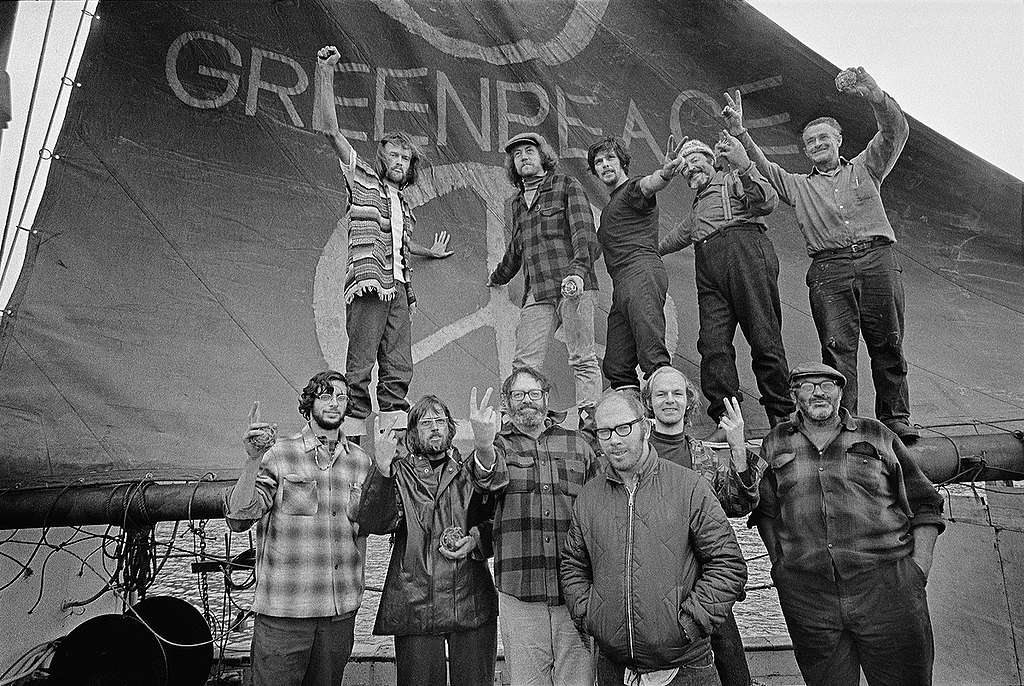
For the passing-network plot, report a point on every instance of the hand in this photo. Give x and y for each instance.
(412, 309)
(730, 148)
(328, 55)
(866, 86)
(572, 286)
(385, 444)
(483, 419)
(439, 250)
(260, 436)
(463, 547)
(672, 164)
(732, 423)
(733, 113)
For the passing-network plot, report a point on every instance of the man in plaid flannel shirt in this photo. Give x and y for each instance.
(302, 493)
(554, 243)
(674, 401)
(537, 468)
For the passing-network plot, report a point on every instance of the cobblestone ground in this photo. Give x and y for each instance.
(758, 615)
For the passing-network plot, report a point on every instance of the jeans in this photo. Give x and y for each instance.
(730, 658)
(701, 672)
(862, 293)
(636, 324)
(305, 651)
(542, 645)
(576, 317)
(379, 332)
(876, 621)
(737, 276)
(420, 660)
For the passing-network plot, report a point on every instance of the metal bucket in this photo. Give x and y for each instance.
(109, 650)
(179, 622)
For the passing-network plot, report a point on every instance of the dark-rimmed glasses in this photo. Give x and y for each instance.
(809, 386)
(532, 394)
(622, 429)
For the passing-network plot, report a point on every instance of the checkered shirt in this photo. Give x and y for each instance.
(309, 555)
(551, 239)
(538, 481)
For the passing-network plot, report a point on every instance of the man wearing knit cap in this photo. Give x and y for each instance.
(628, 234)
(855, 280)
(850, 522)
(737, 274)
(553, 242)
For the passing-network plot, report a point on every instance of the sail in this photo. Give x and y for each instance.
(188, 254)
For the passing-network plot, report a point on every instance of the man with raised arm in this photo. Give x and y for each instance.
(849, 521)
(536, 468)
(378, 278)
(302, 492)
(855, 280)
(737, 275)
(650, 565)
(554, 244)
(628, 234)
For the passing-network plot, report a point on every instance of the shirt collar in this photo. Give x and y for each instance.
(842, 163)
(310, 440)
(553, 418)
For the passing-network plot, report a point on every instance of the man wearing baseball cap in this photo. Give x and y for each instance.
(553, 242)
(737, 275)
(849, 521)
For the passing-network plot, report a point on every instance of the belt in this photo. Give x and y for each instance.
(721, 232)
(855, 248)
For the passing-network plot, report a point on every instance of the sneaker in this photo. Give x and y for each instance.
(907, 433)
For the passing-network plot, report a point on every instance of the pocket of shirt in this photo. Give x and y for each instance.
(299, 496)
(784, 467)
(572, 474)
(866, 468)
(521, 478)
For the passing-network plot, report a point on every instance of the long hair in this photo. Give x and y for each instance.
(694, 403)
(608, 144)
(322, 382)
(548, 161)
(402, 140)
(417, 412)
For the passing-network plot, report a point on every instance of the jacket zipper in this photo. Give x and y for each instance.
(629, 564)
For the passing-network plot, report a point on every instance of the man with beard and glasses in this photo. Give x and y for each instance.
(737, 275)
(379, 298)
(553, 242)
(850, 523)
(438, 592)
(671, 397)
(302, 492)
(628, 234)
(855, 281)
(536, 468)
(650, 564)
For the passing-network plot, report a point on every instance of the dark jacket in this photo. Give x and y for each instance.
(649, 576)
(424, 592)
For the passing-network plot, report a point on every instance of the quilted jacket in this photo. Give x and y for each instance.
(649, 574)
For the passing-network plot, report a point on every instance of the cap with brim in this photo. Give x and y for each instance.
(815, 369)
(521, 138)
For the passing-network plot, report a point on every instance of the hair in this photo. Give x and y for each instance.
(627, 397)
(417, 412)
(694, 403)
(321, 382)
(822, 120)
(608, 144)
(506, 386)
(403, 140)
(548, 161)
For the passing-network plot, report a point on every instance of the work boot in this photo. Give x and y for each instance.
(902, 428)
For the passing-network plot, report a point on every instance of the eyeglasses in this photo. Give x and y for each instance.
(825, 386)
(328, 397)
(621, 429)
(532, 394)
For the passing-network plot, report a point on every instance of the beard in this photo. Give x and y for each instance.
(331, 423)
(529, 415)
(698, 180)
(437, 443)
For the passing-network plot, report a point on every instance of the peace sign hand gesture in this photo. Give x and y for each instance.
(385, 445)
(733, 113)
(732, 423)
(483, 419)
(260, 436)
(673, 164)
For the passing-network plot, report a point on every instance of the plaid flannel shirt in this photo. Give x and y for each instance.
(849, 507)
(551, 239)
(738, 493)
(537, 482)
(309, 553)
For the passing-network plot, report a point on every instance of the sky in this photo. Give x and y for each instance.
(954, 65)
